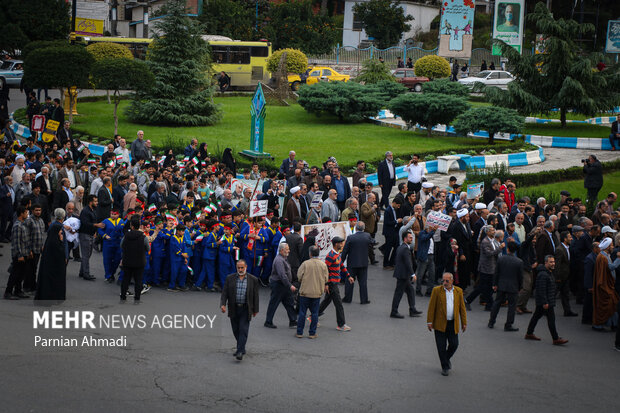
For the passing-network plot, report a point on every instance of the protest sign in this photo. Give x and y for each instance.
(474, 190)
(441, 220)
(324, 233)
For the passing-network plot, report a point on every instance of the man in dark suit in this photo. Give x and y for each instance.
(562, 272)
(289, 165)
(119, 192)
(240, 292)
(295, 243)
(104, 197)
(507, 282)
(173, 197)
(7, 201)
(403, 272)
(59, 113)
(546, 243)
(61, 197)
(461, 232)
(356, 253)
(65, 134)
(386, 175)
(391, 225)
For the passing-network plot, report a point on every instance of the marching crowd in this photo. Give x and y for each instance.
(183, 223)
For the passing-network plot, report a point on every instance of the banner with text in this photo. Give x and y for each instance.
(324, 233)
(441, 220)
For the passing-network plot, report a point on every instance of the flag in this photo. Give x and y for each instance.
(207, 208)
(119, 157)
(198, 214)
(199, 237)
(19, 153)
(111, 162)
(92, 160)
(186, 159)
(152, 208)
(81, 147)
(237, 254)
(203, 163)
(214, 207)
(182, 166)
(161, 161)
(259, 261)
(196, 170)
(171, 217)
(195, 160)
(191, 271)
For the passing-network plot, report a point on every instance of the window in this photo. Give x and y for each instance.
(399, 75)
(410, 73)
(220, 54)
(239, 55)
(504, 75)
(493, 76)
(258, 51)
(316, 73)
(357, 23)
(327, 72)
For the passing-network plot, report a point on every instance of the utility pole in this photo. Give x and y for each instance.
(73, 17)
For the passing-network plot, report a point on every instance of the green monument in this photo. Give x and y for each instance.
(257, 126)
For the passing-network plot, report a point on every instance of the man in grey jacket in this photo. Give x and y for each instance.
(282, 288)
(490, 249)
(330, 208)
(507, 282)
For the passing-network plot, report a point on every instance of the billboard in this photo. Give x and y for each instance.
(612, 45)
(456, 29)
(508, 24)
(90, 27)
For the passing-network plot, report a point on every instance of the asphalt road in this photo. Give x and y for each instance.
(381, 365)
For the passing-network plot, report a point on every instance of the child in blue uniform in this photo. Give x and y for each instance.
(226, 254)
(111, 233)
(178, 260)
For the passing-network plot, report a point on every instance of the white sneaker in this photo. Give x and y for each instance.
(145, 288)
(344, 328)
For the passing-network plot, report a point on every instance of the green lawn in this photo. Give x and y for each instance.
(286, 128)
(611, 182)
(570, 115)
(572, 130)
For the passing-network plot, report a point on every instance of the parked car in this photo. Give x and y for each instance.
(317, 74)
(497, 78)
(408, 78)
(12, 71)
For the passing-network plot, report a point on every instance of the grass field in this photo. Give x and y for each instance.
(572, 130)
(314, 139)
(611, 183)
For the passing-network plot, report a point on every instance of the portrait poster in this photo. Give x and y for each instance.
(324, 233)
(508, 24)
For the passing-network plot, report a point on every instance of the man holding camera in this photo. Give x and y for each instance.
(614, 136)
(593, 180)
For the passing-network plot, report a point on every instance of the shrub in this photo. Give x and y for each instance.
(42, 44)
(446, 87)
(432, 66)
(491, 119)
(374, 71)
(109, 50)
(296, 61)
(428, 109)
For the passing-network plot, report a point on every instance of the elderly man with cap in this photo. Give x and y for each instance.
(293, 207)
(564, 195)
(426, 193)
(336, 269)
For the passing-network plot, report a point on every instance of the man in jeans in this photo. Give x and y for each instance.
(336, 270)
(313, 276)
(88, 225)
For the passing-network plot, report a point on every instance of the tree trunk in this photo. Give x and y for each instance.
(108, 94)
(491, 138)
(429, 130)
(563, 117)
(116, 102)
(70, 106)
(62, 96)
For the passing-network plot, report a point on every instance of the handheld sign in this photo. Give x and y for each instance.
(38, 123)
(50, 131)
(474, 190)
(441, 220)
(316, 199)
(258, 208)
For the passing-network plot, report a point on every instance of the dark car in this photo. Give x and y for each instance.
(408, 78)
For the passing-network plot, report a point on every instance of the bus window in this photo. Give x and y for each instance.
(239, 55)
(220, 54)
(257, 51)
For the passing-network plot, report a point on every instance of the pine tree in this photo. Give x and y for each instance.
(179, 59)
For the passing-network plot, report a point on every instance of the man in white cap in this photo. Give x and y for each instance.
(607, 231)
(18, 170)
(604, 296)
(23, 188)
(293, 207)
(426, 192)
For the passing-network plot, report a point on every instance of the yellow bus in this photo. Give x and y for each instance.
(245, 62)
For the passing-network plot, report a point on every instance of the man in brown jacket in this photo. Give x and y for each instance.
(313, 276)
(445, 310)
(369, 216)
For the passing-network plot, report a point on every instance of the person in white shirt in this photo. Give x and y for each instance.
(124, 152)
(415, 173)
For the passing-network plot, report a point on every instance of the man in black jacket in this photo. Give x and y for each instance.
(240, 292)
(119, 192)
(614, 136)
(507, 282)
(355, 251)
(386, 175)
(593, 180)
(391, 224)
(403, 272)
(545, 302)
(88, 226)
(104, 200)
(134, 247)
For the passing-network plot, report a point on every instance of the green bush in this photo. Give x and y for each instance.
(42, 44)
(374, 71)
(432, 66)
(296, 61)
(445, 87)
(109, 50)
(491, 119)
(350, 101)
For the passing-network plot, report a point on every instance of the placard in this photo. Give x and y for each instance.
(441, 220)
(38, 123)
(324, 233)
(49, 134)
(258, 208)
(474, 190)
(456, 29)
(508, 24)
(316, 199)
(612, 45)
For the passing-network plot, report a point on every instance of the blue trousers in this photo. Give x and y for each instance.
(226, 265)
(178, 272)
(306, 303)
(157, 266)
(111, 257)
(196, 263)
(167, 266)
(207, 272)
(147, 275)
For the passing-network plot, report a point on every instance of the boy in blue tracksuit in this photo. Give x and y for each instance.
(178, 260)
(188, 239)
(272, 232)
(253, 243)
(111, 234)
(262, 252)
(196, 261)
(210, 250)
(159, 250)
(226, 257)
(151, 276)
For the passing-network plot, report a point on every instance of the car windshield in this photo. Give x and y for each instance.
(483, 74)
(6, 65)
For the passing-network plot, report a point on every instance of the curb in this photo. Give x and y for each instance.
(483, 161)
(569, 142)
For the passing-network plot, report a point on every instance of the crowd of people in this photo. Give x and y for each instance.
(182, 223)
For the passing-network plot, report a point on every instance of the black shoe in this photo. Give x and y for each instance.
(346, 301)
(22, 295)
(396, 315)
(419, 294)
(365, 302)
(570, 314)
(263, 283)
(415, 313)
(292, 324)
(491, 324)
(445, 372)
(270, 325)
(89, 278)
(375, 262)
(110, 280)
(511, 328)
(239, 355)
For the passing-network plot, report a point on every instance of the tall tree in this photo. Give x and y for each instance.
(179, 59)
(232, 18)
(563, 77)
(26, 21)
(385, 20)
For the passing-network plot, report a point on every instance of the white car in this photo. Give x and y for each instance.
(497, 78)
